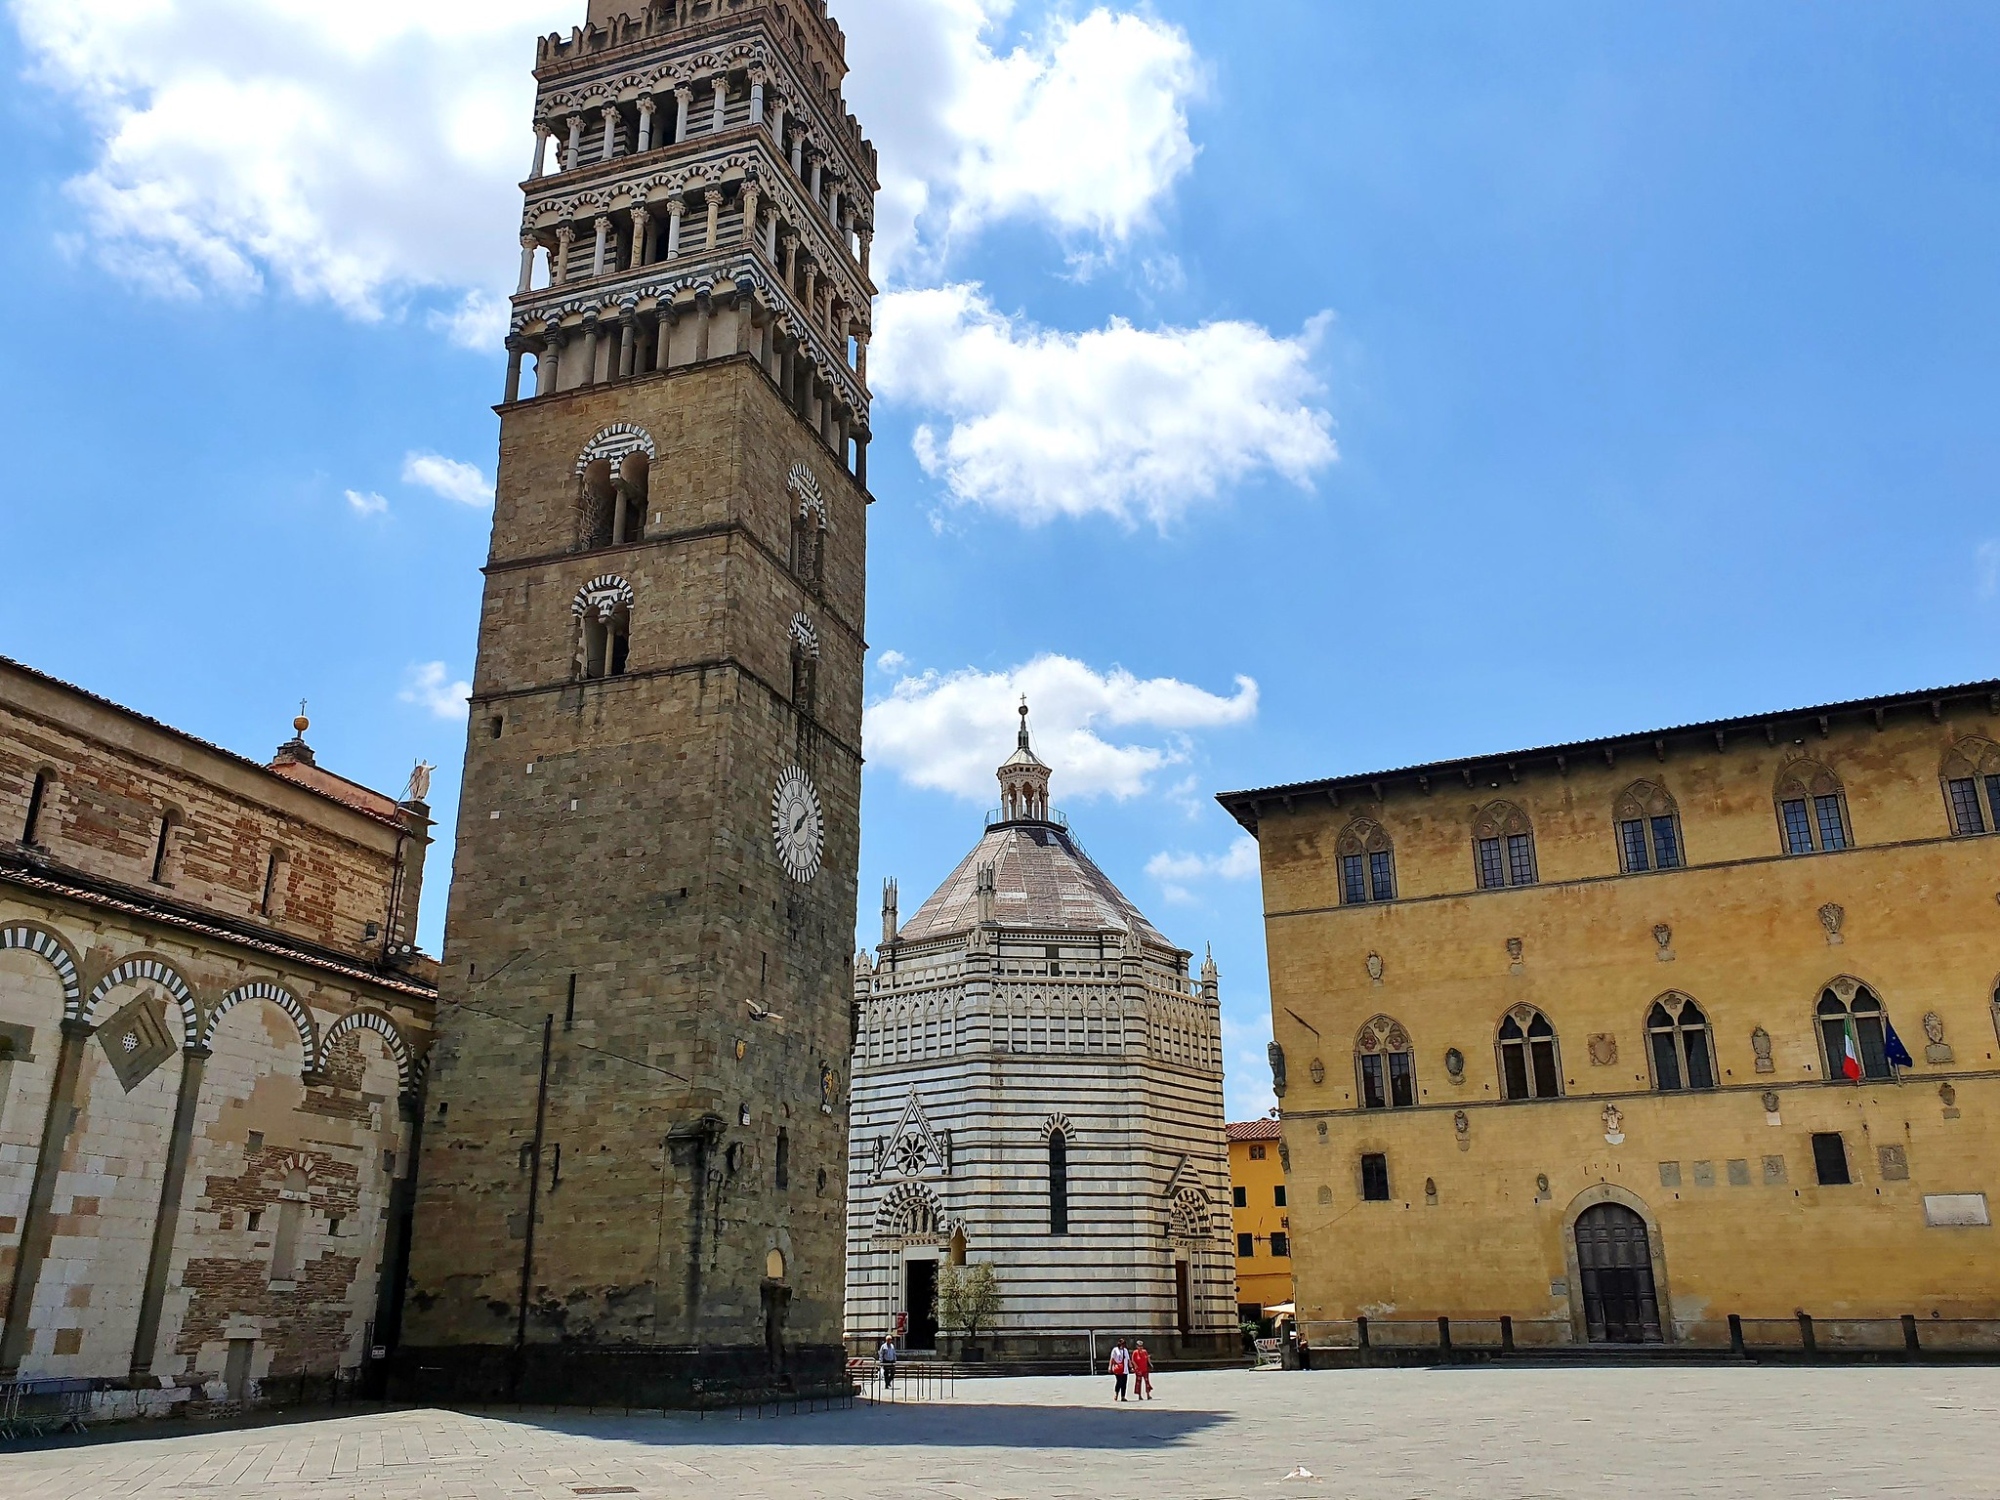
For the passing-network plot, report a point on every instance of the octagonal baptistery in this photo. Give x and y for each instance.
(1037, 1087)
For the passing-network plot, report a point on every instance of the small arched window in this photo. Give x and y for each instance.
(1812, 809)
(1856, 1036)
(1058, 1182)
(277, 872)
(1367, 864)
(1971, 777)
(809, 526)
(805, 667)
(1649, 829)
(1530, 1067)
(1385, 1066)
(1678, 1035)
(38, 798)
(1503, 846)
(166, 848)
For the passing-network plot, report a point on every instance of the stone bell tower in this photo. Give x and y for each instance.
(633, 1179)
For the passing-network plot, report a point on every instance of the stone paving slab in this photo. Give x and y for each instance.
(1493, 1433)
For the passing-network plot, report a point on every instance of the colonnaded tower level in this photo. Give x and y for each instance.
(632, 1183)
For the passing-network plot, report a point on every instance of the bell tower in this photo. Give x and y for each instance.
(633, 1180)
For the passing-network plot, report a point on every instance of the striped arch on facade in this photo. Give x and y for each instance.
(54, 952)
(147, 971)
(909, 1215)
(805, 637)
(806, 489)
(1059, 1124)
(602, 597)
(614, 445)
(263, 989)
(1193, 1221)
(382, 1026)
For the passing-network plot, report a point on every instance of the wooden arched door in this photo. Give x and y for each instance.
(1620, 1304)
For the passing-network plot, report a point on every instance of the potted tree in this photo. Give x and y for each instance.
(968, 1299)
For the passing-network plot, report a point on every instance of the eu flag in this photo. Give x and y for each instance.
(1893, 1046)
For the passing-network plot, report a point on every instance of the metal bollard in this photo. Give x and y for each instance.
(1912, 1345)
(1444, 1337)
(1506, 1335)
(1735, 1334)
(1361, 1329)
(1806, 1338)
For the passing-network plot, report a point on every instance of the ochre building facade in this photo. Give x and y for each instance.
(212, 1029)
(1564, 1036)
(633, 1186)
(1261, 1218)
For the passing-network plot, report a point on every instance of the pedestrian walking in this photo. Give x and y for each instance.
(885, 1358)
(1121, 1364)
(1142, 1372)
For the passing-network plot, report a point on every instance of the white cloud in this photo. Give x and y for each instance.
(1120, 420)
(367, 504)
(1106, 733)
(430, 686)
(461, 483)
(1988, 558)
(891, 661)
(1176, 872)
(355, 153)
(1083, 127)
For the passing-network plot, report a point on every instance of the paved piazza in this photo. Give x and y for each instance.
(1376, 1434)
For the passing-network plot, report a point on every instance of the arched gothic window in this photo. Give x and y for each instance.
(1649, 829)
(1503, 846)
(1678, 1035)
(1855, 1034)
(1812, 809)
(1530, 1066)
(1367, 864)
(1971, 776)
(809, 526)
(1385, 1066)
(1058, 1182)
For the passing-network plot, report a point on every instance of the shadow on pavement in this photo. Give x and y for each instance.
(946, 1424)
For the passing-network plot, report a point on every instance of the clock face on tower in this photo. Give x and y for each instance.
(798, 827)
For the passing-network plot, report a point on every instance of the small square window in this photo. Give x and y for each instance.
(1966, 817)
(1632, 834)
(1492, 870)
(1830, 1159)
(1520, 859)
(1281, 1244)
(1278, 1196)
(1832, 826)
(1375, 1178)
(1382, 875)
(1798, 829)
(1666, 844)
(333, 1226)
(255, 1221)
(1240, 1196)
(1246, 1246)
(1256, 1153)
(255, 1141)
(1353, 880)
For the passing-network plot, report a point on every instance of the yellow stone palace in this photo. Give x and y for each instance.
(1563, 1035)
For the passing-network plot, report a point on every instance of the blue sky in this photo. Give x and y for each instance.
(1364, 385)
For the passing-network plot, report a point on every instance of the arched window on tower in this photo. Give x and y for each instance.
(38, 801)
(1530, 1067)
(1812, 809)
(1649, 829)
(1678, 1037)
(166, 849)
(1503, 847)
(1367, 864)
(1971, 776)
(1058, 1182)
(805, 667)
(603, 610)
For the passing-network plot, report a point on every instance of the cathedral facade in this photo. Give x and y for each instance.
(634, 1180)
(1038, 1087)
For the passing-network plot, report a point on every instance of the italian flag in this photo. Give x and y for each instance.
(1850, 1059)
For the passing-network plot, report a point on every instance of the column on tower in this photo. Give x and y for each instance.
(541, 150)
(756, 100)
(528, 246)
(611, 123)
(720, 113)
(713, 198)
(675, 211)
(589, 371)
(603, 227)
(867, 244)
(778, 124)
(516, 347)
(646, 109)
(565, 238)
(642, 235)
(628, 329)
(683, 102)
(573, 153)
(750, 211)
(664, 332)
(548, 361)
(703, 311)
